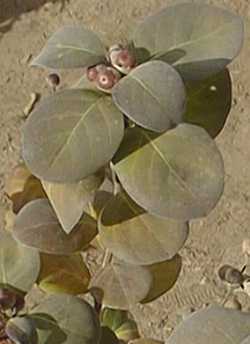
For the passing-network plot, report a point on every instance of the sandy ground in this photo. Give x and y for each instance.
(24, 27)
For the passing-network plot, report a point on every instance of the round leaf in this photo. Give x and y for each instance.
(22, 330)
(178, 174)
(66, 319)
(63, 274)
(69, 200)
(22, 187)
(137, 237)
(215, 324)
(19, 266)
(209, 102)
(199, 39)
(121, 284)
(121, 323)
(71, 135)
(37, 226)
(165, 274)
(152, 95)
(71, 47)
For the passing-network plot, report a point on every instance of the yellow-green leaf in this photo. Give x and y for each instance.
(164, 274)
(63, 274)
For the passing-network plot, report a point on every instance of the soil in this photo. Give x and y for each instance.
(25, 25)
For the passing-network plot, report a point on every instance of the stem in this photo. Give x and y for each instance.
(107, 258)
(116, 184)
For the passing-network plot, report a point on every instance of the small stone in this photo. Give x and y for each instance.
(230, 275)
(34, 97)
(53, 80)
(246, 286)
(233, 303)
(246, 247)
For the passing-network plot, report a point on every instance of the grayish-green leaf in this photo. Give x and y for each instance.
(215, 325)
(22, 330)
(178, 174)
(69, 200)
(66, 319)
(209, 102)
(199, 39)
(37, 226)
(121, 285)
(71, 135)
(152, 95)
(85, 84)
(137, 237)
(71, 47)
(19, 266)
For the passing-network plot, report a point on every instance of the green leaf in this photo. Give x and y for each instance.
(19, 265)
(178, 174)
(69, 200)
(71, 135)
(199, 39)
(22, 187)
(214, 324)
(165, 274)
(22, 330)
(209, 102)
(121, 323)
(37, 226)
(136, 237)
(63, 274)
(152, 95)
(71, 47)
(121, 285)
(66, 319)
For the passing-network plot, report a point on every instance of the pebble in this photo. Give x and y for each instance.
(246, 247)
(233, 303)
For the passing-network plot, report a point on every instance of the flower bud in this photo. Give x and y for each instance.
(7, 299)
(122, 59)
(92, 72)
(107, 78)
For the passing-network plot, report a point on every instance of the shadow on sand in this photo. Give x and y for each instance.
(11, 10)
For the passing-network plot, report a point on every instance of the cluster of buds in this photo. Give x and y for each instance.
(11, 299)
(119, 61)
(121, 58)
(105, 77)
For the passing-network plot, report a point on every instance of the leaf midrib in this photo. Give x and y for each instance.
(147, 89)
(74, 47)
(65, 144)
(171, 169)
(190, 42)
